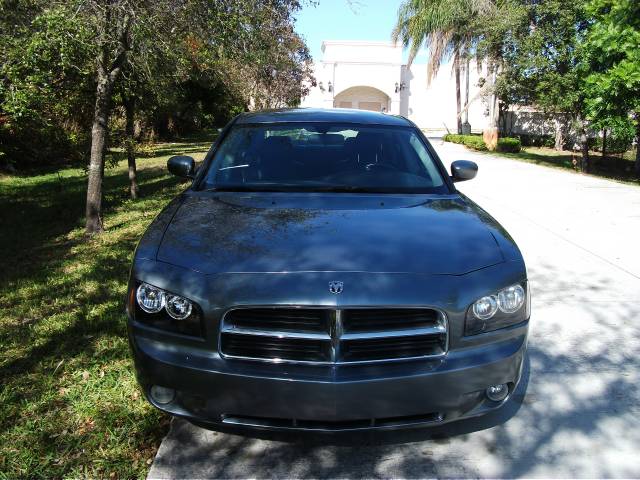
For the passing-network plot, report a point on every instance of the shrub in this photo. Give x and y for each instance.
(533, 140)
(474, 142)
(453, 138)
(614, 144)
(471, 141)
(507, 144)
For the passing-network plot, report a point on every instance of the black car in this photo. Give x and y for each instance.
(322, 272)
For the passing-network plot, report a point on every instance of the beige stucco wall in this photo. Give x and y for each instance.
(433, 106)
(347, 67)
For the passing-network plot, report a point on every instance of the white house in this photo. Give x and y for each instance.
(372, 76)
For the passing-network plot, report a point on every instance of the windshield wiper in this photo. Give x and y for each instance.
(299, 187)
(233, 188)
(349, 189)
(259, 187)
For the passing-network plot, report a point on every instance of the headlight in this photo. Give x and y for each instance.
(511, 299)
(178, 307)
(485, 308)
(504, 308)
(150, 298)
(166, 311)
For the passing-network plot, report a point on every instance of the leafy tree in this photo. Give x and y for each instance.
(542, 59)
(496, 27)
(442, 27)
(152, 66)
(113, 22)
(45, 83)
(456, 29)
(268, 64)
(180, 80)
(612, 60)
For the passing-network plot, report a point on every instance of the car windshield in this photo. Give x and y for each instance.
(323, 157)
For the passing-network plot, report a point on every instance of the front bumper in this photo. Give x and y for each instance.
(216, 392)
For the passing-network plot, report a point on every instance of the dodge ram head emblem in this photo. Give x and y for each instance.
(336, 287)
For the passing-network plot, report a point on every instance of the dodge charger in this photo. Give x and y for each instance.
(322, 272)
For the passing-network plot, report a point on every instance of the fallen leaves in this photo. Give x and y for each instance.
(86, 426)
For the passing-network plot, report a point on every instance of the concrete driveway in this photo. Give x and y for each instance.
(577, 411)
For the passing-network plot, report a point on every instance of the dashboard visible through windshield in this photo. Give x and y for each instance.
(323, 157)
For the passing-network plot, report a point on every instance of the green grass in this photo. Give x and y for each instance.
(69, 403)
(619, 168)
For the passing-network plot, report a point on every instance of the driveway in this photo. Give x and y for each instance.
(577, 411)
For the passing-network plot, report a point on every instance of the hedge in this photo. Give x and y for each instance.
(453, 138)
(476, 142)
(511, 145)
(471, 141)
(614, 145)
(533, 140)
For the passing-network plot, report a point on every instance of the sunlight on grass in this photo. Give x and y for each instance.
(619, 168)
(69, 403)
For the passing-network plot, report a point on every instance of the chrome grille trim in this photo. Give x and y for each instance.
(278, 333)
(437, 330)
(335, 336)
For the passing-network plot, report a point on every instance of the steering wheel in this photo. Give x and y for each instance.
(383, 166)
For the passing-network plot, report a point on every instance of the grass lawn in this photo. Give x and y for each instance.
(612, 167)
(69, 403)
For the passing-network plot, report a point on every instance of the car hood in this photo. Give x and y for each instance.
(292, 232)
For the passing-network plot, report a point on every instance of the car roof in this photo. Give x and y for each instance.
(335, 115)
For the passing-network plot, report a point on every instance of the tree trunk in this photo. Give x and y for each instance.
(466, 93)
(604, 143)
(491, 133)
(96, 163)
(129, 108)
(637, 144)
(456, 66)
(107, 71)
(584, 147)
(559, 139)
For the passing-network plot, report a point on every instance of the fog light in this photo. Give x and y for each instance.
(497, 393)
(162, 395)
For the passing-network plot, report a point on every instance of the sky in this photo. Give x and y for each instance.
(344, 20)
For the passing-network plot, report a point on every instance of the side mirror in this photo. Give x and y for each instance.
(462, 170)
(182, 166)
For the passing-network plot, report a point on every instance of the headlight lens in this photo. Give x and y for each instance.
(511, 299)
(500, 310)
(178, 307)
(166, 311)
(150, 298)
(485, 308)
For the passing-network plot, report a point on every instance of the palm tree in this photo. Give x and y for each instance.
(447, 29)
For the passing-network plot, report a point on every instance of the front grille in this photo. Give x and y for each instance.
(391, 348)
(333, 336)
(291, 319)
(273, 348)
(362, 320)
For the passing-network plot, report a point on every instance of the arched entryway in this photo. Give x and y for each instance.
(363, 98)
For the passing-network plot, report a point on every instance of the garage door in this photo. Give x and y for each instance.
(374, 106)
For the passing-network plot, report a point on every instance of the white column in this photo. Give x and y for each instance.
(395, 105)
(329, 76)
